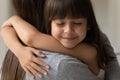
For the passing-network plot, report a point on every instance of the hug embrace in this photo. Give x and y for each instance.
(56, 40)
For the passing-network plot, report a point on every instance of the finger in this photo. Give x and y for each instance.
(39, 62)
(33, 71)
(38, 68)
(28, 72)
(38, 53)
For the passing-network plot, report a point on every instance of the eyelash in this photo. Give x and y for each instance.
(60, 24)
(77, 23)
(74, 23)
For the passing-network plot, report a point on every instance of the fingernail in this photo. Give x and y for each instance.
(47, 67)
(40, 76)
(45, 73)
(42, 55)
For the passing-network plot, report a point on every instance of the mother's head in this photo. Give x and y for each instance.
(31, 11)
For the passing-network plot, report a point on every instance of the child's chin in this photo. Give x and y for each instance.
(69, 46)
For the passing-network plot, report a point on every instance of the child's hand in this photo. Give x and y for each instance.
(30, 63)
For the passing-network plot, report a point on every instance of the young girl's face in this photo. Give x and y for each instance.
(69, 32)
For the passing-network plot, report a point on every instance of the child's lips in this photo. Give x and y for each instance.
(69, 38)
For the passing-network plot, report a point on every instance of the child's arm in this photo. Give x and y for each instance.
(32, 37)
(26, 55)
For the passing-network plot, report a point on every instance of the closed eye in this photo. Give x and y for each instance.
(77, 23)
(60, 24)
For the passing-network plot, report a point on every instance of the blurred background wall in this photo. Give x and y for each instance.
(107, 14)
(5, 12)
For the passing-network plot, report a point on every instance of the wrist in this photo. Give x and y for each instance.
(17, 49)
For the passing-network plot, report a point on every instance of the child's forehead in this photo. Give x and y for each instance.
(74, 15)
(70, 17)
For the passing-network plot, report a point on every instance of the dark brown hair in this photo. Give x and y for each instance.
(11, 69)
(75, 9)
(32, 12)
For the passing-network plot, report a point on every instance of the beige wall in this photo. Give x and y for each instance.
(107, 13)
(4, 14)
(5, 10)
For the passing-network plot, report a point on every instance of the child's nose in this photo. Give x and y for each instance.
(68, 29)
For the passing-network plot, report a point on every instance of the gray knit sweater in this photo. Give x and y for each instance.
(64, 67)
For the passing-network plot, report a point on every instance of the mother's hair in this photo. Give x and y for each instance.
(32, 12)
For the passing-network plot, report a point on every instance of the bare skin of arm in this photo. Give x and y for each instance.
(24, 54)
(32, 37)
(27, 32)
